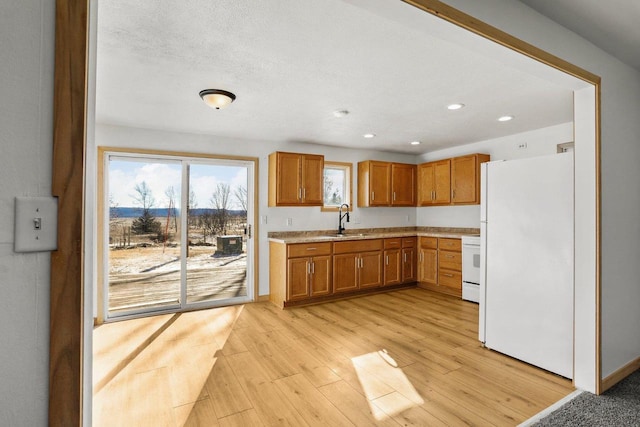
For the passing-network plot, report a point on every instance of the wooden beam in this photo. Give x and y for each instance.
(66, 316)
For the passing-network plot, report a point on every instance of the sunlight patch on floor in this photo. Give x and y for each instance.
(379, 366)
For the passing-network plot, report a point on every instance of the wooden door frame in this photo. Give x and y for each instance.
(69, 144)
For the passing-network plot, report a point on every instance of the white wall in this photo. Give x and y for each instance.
(304, 218)
(539, 143)
(26, 118)
(620, 103)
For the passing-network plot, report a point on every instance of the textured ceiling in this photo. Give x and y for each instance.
(291, 63)
(611, 25)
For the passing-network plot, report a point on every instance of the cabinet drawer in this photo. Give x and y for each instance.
(429, 242)
(409, 242)
(450, 260)
(450, 244)
(357, 246)
(308, 249)
(394, 243)
(450, 278)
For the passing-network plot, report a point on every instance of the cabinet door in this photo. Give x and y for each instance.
(312, 178)
(426, 184)
(379, 183)
(392, 271)
(428, 266)
(409, 272)
(370, 269)
(345, 272)
(288, 179)
(403, 184)
(463, 180)
(297, 278)
(321, 276)
(442, 182)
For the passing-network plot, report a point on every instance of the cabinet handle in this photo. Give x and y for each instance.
(373, 196)
(448, 275)
(299, 193)
(453, 194)
(448, 256)
(387, 260)
(304, 193)
(311, 249)
(313, 267)
(405, 257)
(433, 195)
(394, 196)
(308, 267)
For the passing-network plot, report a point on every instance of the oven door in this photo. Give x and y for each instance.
(471, 263)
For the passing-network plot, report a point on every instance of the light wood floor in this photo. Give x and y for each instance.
(406, 358)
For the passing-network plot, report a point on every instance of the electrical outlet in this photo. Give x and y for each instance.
(263, 219)
(289, 222)
(408, 219)
(522, 146)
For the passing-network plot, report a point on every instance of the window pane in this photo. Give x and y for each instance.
(144, 234)
(217, 217)
(334, 187)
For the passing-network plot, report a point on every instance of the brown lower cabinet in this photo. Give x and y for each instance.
(357, 264)
(302, 273)
(440, 264)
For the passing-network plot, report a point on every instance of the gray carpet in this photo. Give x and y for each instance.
(618, 406)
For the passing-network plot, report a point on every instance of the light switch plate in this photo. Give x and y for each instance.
(36, 224)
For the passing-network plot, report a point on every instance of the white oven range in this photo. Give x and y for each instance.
(471, 268)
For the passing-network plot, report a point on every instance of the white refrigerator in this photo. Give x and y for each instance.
(526, 260)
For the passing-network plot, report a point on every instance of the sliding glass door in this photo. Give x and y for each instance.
(177, 234)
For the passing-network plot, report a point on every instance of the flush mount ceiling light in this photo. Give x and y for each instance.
(340, 113)
(505, 118)
(415, 143)
(369, 135)
(217, 98)
(456, 106)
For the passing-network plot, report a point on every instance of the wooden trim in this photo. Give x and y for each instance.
(66, 292)
(262, 298)
(619, 375)
(70, 92)
(151, 152)
(468, 22)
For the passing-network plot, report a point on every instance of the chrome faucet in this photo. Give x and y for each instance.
(341, 217)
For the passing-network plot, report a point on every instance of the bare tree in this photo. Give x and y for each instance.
(240, 194)
(220, 202)
(170, 192)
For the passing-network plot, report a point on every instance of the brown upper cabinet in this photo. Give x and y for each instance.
(386, 184)
(451, 181)
(465, 179)
(295, 179)
(434, 183)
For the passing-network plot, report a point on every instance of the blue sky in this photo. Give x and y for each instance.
(160, 175)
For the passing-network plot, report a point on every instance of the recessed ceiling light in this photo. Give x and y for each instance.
(455, 106)
(415, 143)
(369, 135)
(340, 113)
(505, 118)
